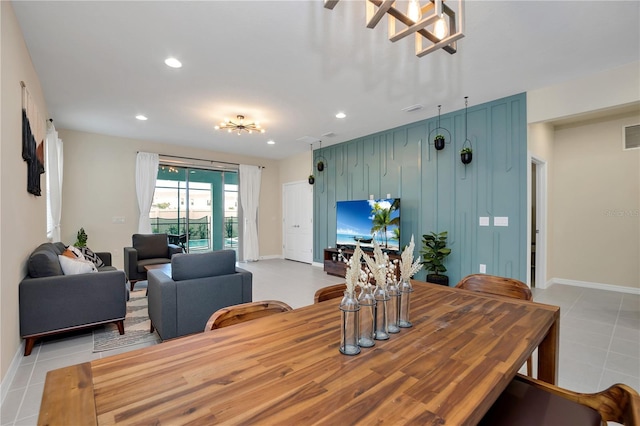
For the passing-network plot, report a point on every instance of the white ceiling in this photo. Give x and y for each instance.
(292, 65)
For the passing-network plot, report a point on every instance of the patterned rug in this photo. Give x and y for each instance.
(136, 326)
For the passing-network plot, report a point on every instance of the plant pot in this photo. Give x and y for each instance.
(320, 166)
(312, 180)
(466, 157)
(438, 279)
(438, 142)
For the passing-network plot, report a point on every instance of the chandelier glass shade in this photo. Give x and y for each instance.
(239, 126)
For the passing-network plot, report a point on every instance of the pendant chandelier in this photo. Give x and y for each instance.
(239, 126)
(435, 25)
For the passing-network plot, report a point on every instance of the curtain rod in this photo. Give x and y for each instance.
(201, 159)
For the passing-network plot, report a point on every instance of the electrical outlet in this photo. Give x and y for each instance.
(483, 268)
(117, 219)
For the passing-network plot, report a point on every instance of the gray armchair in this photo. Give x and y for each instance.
(148, 249)
(200, 284)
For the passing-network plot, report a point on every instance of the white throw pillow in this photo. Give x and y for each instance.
(76, 266)
(77, 252)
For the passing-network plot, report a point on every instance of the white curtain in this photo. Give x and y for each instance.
(146, 174)
(250, 178)
(53, 169)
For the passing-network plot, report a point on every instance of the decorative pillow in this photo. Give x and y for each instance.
(73, 253)
(89, 255)
(76, 266)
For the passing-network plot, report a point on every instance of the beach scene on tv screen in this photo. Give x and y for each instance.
(366, 220)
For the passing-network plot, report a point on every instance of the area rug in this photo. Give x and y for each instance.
(136, 326)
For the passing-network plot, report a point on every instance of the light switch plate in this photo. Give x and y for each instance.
(501, 221)
(483, 268)
(484, 221)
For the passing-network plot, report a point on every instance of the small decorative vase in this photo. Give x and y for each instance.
(393, 307)
(382, 297)
(367, 319)
(350, 319)
(405, 303)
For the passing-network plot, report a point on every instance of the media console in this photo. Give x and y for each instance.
(335, 265)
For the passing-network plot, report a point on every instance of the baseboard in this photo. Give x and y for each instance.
(271, 256)
(598, 286)
(11, 373)
(317, 264)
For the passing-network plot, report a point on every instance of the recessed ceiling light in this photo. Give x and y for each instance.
(341, 115)
(173, 63)
(271, 142)
(141, 117)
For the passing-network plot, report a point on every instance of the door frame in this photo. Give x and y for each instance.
(541, 219)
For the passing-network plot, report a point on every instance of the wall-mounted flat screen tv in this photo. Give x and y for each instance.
(366, 220)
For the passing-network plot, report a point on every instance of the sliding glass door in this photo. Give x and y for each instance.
(197, 208)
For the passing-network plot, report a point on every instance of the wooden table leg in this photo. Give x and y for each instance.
(548, 353)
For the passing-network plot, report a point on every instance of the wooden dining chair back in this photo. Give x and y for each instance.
(498, 286)
(528, 401)
(330, 292)
(236, 314)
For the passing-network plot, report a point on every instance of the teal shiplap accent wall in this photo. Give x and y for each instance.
(439, 193)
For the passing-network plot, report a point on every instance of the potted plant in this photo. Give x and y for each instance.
(434, 251)
(320, 165)
(466, 155)
(81, 238)
(438, 142)
(312, 179)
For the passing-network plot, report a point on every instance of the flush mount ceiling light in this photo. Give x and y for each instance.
(239, 126)
(432, 22)
(341, 115)
(173, 63)
(141, 117)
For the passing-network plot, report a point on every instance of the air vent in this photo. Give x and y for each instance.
(308, 139)
(412, 108)
(328, 134)
(632, 137)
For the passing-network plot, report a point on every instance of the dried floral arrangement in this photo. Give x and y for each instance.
(409, 267)
(379, 265)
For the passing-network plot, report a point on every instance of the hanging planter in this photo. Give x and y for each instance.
(320, 160)
(466, 155)
(312, 179)
(441, 134)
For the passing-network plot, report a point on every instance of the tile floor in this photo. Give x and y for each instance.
(599, 336)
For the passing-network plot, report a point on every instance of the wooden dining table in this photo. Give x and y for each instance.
(449, 368)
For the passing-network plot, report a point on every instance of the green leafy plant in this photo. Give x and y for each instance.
(434, 252)
(466, 150)
(81, 238)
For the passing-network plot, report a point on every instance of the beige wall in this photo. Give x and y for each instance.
(23, 217)
(596, 203)
(296, 168)
(99, 183)
(540, 146)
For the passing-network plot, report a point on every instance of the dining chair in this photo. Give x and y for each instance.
(330, 292)
(528, 401)
(236, 314)
(499, 286)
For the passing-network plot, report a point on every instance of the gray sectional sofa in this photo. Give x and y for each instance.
(200, 284)
(51, 302)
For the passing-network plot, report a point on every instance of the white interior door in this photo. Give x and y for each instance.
(297, 221)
